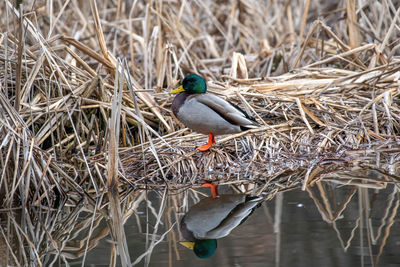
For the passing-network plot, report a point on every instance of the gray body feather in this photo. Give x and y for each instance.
(215, 218)
(207, 113)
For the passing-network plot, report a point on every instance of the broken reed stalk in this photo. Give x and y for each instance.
(117, 231)
(354, 39)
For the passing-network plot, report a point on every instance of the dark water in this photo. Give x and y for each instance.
(286, 231)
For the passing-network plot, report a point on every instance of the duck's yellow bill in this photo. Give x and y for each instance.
(189, 245)
(177, 90)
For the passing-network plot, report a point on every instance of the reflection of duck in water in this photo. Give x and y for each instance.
(213, 218)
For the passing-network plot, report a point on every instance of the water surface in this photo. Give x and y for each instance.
(286, 231)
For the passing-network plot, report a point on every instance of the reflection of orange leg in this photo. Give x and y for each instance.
(213, 188)
(211, 141)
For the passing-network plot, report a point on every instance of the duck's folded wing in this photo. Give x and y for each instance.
(206, 215)
(236, 217)
(226, 110)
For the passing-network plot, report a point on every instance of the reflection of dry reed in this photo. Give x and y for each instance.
(326, 93)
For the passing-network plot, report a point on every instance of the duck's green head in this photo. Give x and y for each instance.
(202, 248)
(192, 84)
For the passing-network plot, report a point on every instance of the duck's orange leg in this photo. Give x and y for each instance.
(213, 188)
(211, 142)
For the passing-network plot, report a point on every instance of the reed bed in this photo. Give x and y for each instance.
(85, 108)
(310, 119)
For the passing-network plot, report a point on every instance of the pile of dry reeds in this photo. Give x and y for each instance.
(310, 117)
(85, 83)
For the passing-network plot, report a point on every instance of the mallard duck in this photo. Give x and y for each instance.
(207, 113)
(214, 218)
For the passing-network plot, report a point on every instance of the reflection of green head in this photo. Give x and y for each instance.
(205, 248)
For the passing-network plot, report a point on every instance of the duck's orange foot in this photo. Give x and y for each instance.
(204, 147)
(211, 142)
(213, 188)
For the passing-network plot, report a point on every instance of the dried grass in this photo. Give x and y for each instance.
(322, 79)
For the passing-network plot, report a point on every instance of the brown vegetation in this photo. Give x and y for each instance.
(85, 108)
